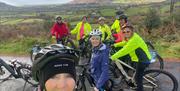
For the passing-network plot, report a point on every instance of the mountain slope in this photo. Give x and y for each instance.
(4, 5)
(114, 1)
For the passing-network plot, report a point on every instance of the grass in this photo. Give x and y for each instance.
(19, 46)
(168, 50)
(13, 21)
(31, 20)
(136, 10)
(108, 12)
(23, 46)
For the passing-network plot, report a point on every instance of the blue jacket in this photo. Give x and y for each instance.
(99, 65)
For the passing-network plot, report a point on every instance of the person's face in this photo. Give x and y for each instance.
(84, 19)
(122, 22)
(60, 82)
(95, 40)
(127, 33)
(101, 22)
(59, 20)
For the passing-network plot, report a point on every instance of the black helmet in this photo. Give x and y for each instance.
(123, 16)
(119, 12)
(41, 65)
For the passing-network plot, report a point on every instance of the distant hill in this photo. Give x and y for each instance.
(4, 6)
(114, 1)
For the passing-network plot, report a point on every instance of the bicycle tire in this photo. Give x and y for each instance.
(80, 85)
(160, 77)
(160, 63)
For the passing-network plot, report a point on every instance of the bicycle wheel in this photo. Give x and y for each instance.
(159, 64)
(165, 81)
(80, 85)
(4, 73)
(26, 75)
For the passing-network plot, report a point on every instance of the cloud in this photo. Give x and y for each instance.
(34, 2)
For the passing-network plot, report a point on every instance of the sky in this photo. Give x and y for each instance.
(33, 2)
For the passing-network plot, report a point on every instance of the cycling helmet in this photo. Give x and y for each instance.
(95, 32)
(101, 18)
(58, 18)
(41, 51)
(119, 12)
(123, 16)
(43, 67)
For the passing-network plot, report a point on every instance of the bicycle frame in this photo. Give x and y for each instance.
(9, 68)
(120, 64)
(84, 75)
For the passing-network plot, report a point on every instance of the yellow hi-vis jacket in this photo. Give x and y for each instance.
(105, 30)
(76, 30)
(135, 47)
(116, 26)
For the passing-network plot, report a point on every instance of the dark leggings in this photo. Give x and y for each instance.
(140, 68)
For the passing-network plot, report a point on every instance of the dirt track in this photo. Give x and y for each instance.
(17, 84)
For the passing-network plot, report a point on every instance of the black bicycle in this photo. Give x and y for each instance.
(17, 70)
(82, 76)
(85, 47)
(85, 74)
(67, 41)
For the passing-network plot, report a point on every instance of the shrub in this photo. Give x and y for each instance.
(152, 20)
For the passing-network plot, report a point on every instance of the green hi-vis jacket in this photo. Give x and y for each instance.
(116, 26)
(76, 30)
(135, 47)
(105, 30)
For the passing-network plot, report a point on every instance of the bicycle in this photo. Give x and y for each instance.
(80, 84)
(150, 83)
(156, 61)
(85, 47)
(82, 76)
(156, 58)
(67, 41)
(17, 70)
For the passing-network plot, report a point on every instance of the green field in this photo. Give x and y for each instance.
(23, 46)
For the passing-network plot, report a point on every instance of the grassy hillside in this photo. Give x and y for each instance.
(136, 1)
(35, 29)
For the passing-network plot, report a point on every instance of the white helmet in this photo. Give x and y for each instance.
(95, 32)
(101, 18)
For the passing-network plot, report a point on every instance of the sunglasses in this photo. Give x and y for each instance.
(95, 38)
(126, 31)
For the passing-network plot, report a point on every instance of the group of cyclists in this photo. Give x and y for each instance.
(56, 71)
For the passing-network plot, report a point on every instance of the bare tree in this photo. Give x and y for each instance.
(172, 6)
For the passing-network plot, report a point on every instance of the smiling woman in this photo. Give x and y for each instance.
(34, 2)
